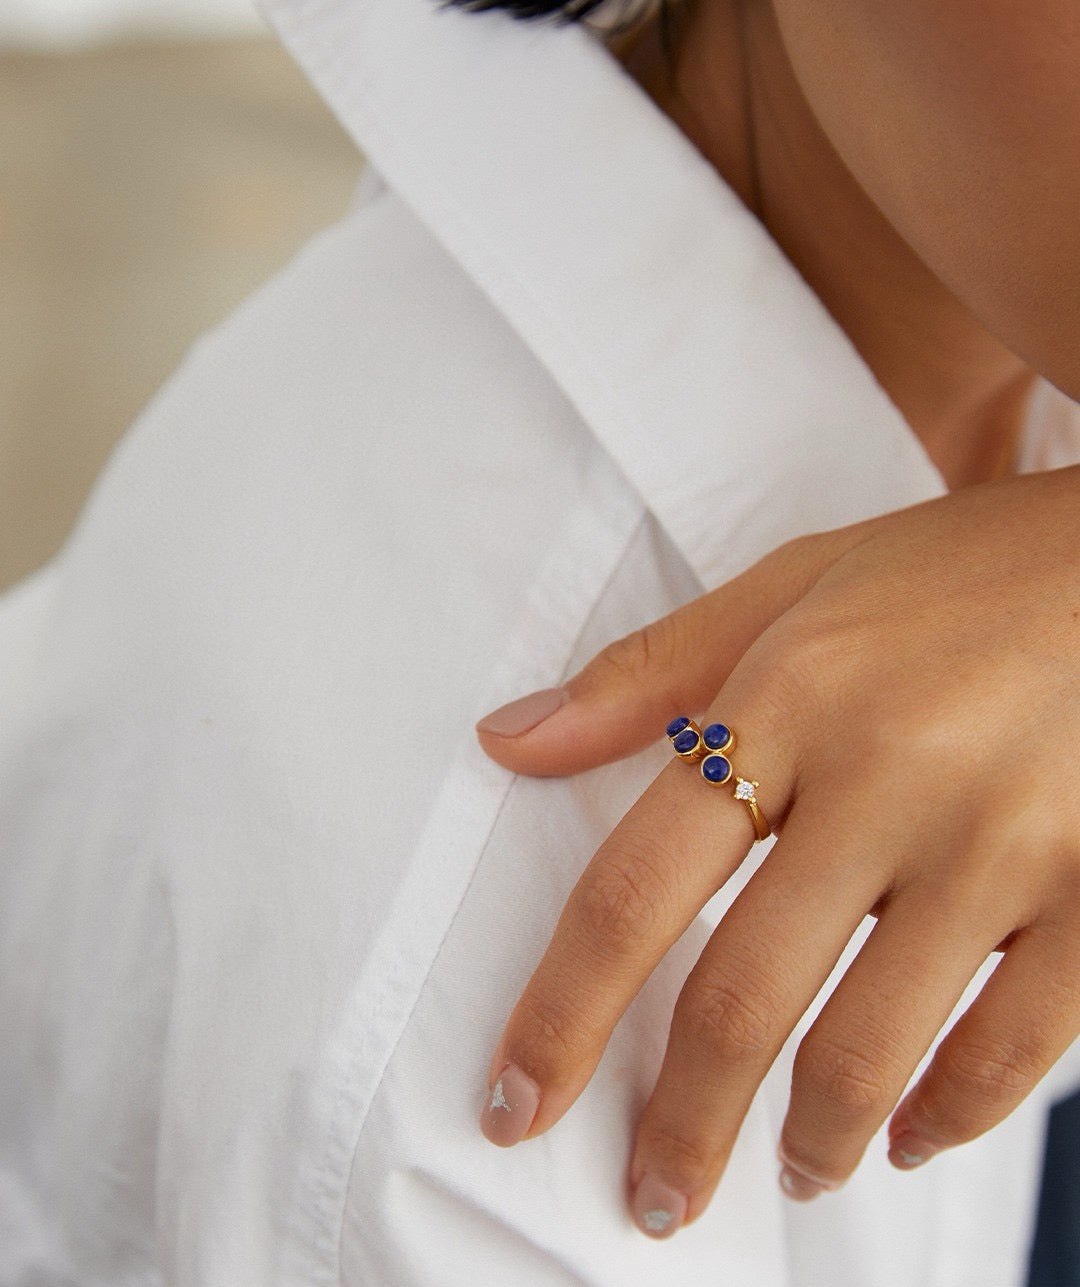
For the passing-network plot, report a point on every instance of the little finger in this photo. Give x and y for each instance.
(862, 1050)
(1026, 1016)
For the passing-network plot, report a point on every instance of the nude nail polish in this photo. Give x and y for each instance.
(799, 1187)
(511, 1107)
(908, 1151)
(523, 715)
(658, 1210)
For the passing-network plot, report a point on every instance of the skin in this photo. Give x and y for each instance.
(868, 182)
(914, 676)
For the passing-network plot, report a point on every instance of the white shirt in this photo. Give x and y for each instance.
(264, 905)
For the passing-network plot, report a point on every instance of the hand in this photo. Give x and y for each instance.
(907, 692)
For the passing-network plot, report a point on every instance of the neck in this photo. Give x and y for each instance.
(731, 90)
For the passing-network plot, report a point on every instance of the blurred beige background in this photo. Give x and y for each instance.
(146, 187)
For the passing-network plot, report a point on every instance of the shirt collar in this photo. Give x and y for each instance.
(695, 352)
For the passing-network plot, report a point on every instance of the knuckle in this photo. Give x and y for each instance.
(625, 658)
(620, 903)
(821, 645)
(653, 650)
(547, 1037)
(689, 1163)
(633, 654)
(731, 1016)
(796, 563)
(810, 659)
(985, 1075)
(844, 1080)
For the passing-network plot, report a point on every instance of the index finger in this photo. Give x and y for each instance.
(648, 881)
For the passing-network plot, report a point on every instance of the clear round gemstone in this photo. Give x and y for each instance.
(744, 791)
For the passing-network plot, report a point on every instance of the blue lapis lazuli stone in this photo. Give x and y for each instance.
(677, 725)
(716, 737)
(685, 741)
(714, 768)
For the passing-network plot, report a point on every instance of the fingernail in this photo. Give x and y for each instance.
(511, 1107)
(909, 1151)
(658, 1210)
(799, 1187)
(521, 716)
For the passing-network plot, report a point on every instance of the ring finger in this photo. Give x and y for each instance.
(762, 968)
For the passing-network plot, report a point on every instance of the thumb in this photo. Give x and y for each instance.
(627, 694)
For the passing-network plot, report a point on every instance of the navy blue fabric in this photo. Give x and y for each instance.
(1055, 1256)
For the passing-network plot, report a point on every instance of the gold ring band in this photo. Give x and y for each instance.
(744, 791)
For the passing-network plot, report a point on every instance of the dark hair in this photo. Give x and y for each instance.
(567, 10)
(627, 11)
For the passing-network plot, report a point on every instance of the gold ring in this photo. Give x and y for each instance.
(711, 749)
